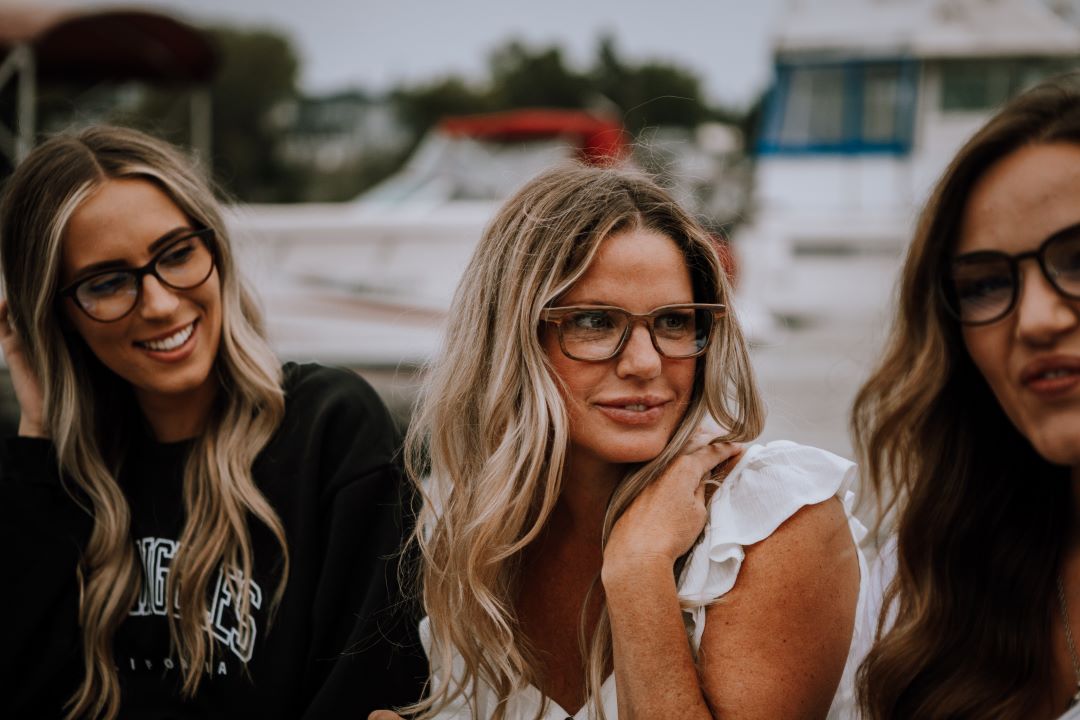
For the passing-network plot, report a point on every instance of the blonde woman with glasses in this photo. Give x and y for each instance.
(577, 560)
(201, 532)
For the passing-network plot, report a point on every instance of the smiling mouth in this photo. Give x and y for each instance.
(172, 342)
(1053, 374)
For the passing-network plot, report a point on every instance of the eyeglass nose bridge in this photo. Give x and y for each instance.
(140, 275)
(633, 319)
(1039, 256)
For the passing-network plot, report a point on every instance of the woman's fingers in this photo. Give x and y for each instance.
(703, 491)
(720, 470)
(714, 454)
(384, 715)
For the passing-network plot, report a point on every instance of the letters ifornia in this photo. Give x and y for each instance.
(234, 632)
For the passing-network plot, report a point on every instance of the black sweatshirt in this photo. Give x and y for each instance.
(343, 641)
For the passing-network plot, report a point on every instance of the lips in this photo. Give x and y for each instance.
(1052, 375)
(633, 410)
(169, 341)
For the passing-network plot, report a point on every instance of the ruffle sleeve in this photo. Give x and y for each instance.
(769, 484)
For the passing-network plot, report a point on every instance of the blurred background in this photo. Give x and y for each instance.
(362, 145)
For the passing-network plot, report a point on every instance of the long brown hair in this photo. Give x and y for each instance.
(981, 518)
(90, 412)
(493, 424)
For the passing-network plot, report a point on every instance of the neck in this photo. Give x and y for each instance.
(587, 485)
(177, 417)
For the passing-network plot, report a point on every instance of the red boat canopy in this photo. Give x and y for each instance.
(42, 45)
(601, 140)
(108, 45)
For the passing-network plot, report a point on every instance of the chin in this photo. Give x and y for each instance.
(174, 381)
(1056, 439)
(1059, 448)
(634, 452)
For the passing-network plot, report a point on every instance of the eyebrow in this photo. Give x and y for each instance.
(1073, 229)
(587, 301)
(1070, 230)
(154, 247)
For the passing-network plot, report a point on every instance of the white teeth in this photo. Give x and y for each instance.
(635, 408)
(172, 342)
(1052, 374)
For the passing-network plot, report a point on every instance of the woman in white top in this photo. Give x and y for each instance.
(573, 561)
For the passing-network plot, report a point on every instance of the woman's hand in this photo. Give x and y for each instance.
(384, 715)
(663, 521)
(27, 388)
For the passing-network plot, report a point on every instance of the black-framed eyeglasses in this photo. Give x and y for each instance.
(107, 296)
(982, 287)
(599, 332)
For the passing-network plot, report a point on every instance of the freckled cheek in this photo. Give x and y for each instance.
(681, 376)
(577, 388)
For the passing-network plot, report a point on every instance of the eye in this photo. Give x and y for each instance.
(974, 287)
(675, 321)
(983, 277)
(590, 321)
(178, 254)
(1063, 257)
(102, 286)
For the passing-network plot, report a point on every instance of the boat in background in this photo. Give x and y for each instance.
(871, 99)
(367, 283)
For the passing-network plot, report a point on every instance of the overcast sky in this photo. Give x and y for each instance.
(373, 44)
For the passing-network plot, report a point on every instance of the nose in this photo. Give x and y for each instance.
(638, 357)
(157, 301)
(1043, 314)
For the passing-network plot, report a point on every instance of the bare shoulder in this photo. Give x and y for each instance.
(810, 558)
(776, 644)
(816, 533)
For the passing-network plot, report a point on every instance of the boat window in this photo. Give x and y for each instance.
(976, 86)
(815, 106)
(980, 85)
(861, 106)
(880, 102)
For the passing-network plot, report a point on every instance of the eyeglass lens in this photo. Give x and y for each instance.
(596, 334)
(986, 284)
(182, 265)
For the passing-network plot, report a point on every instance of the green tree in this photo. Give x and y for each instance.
(647, 94)
(257, 73)
(526, 77)
(651, 93)
(421, 106)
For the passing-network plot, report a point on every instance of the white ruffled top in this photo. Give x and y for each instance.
(769, 484)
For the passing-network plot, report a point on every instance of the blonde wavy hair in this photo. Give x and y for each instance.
(491, 428)
(90, 432)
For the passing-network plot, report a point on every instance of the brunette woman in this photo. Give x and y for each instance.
(971, 425)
